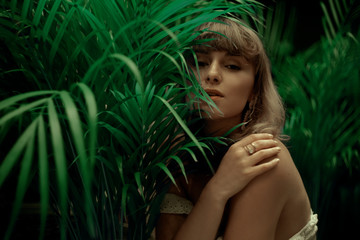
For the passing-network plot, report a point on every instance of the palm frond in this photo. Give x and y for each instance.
(339, 15)
(321, 89)
(103, 94)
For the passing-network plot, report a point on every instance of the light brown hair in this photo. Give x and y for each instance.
(268, 113)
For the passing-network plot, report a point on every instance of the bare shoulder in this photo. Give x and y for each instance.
(259, 206)
(287, 172)
(284, 179)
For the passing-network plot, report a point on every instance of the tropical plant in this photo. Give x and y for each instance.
(92, 97)
(321, 88)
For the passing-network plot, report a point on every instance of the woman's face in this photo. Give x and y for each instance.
(229, 81)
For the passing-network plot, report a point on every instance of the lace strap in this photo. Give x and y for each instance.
(175, 204)
(309, 231)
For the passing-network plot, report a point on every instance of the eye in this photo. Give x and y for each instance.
(233, 67)
(202, 64)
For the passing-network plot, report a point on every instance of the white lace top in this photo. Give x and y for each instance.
(175, 204)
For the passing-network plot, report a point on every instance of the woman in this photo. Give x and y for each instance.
(256, 191)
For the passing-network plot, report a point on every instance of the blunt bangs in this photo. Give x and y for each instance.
(226, 35)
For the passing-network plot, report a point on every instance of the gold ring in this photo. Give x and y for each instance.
(252, 144)
(250, 148)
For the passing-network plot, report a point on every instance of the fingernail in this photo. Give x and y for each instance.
(276, 160)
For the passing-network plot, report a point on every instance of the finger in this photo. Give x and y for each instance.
(264, 154)
(259, 145)
(264, 167)
(263, 144)
(254, 137)
(257, 136)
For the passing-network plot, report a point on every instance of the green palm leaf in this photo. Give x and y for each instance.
(103, 97)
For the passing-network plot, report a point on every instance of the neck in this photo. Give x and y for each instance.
(218, 127)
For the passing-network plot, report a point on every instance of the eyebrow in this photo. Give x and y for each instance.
(202, 51)
(228, 54)
(233, 54)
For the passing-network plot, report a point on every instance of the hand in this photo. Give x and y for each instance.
(240, 165)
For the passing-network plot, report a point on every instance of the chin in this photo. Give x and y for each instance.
(212, 116)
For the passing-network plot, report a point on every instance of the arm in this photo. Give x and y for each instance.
(203, 220)
(255, 211)
(236, 170)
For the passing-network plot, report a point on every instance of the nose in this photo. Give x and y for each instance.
(213, 73)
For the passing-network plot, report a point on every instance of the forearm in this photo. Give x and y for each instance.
(204, 220)
(237, 169)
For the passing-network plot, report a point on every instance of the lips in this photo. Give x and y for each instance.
(214, 93)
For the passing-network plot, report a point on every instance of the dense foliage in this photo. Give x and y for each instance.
(321, 89)
(91, 97)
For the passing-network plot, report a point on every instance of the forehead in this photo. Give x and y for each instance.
(217, 52)
(219, 45)
(235, 38)
(221, 54)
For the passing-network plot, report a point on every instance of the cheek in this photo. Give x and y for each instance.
(195, 73)
(235, 106)
(200, 76)
(241, 92)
